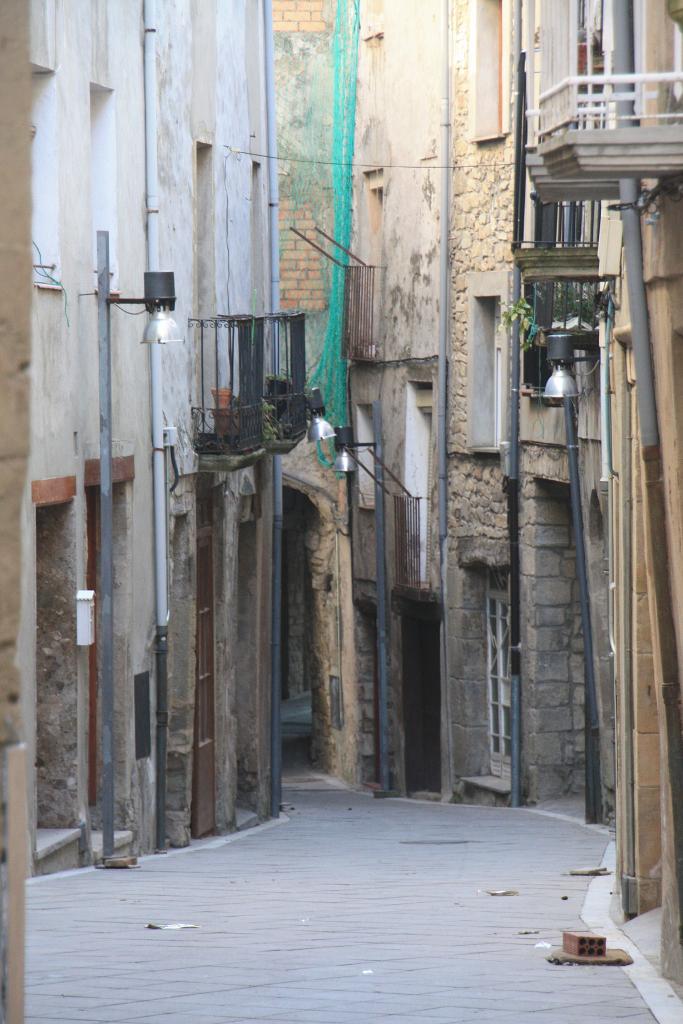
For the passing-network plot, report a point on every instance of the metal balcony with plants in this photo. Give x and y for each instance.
(244, 411)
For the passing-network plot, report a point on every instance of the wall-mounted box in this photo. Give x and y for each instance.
(85, 618)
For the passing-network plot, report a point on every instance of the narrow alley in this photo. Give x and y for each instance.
(352, 910)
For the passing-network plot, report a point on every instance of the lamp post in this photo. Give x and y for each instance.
(346, 461)
(561, 390)
(159, 299)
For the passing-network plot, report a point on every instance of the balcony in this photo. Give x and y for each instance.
(410, 546)
(358, 341)
(565, 243)
(602, 128)
(244, 412)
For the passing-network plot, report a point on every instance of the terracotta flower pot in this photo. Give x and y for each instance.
(223, 414)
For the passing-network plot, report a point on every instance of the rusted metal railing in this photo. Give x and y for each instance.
(358, 340)
(408, 542)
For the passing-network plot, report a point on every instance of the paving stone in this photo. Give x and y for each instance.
(293, 919)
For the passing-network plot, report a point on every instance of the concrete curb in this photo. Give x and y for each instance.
(656, 992)
(199, 844)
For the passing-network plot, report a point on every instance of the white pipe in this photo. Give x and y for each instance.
(276, 592)
(442, 389)
(152, 199)
(158, 452)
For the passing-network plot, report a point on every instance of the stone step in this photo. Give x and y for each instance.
(57, 849)
(123, 843)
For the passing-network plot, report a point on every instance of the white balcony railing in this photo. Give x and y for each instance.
(590, 102)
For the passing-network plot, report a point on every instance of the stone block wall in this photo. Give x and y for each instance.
(56, 668)
(553, 666)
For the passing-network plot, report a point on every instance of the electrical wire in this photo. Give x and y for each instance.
(129, 312)
(379, 165)
(40, 269)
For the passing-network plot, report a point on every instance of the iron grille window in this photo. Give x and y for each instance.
(284, 395)
(566, 305)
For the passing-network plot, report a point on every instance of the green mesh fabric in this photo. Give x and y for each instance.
(330, 372)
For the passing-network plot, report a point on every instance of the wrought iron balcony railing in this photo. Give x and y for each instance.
(242, 410)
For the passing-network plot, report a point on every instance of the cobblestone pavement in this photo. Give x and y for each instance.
(356, 910)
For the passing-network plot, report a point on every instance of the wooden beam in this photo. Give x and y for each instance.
(55, 490)
(122, 470)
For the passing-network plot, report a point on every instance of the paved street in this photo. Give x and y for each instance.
(356, 910)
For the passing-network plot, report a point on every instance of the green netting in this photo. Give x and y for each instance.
(330, 372)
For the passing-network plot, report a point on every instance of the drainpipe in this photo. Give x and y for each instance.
(654, 500)
(593, 801)
(158, 453)
(513, 468)
(276, 599)
(442, 383)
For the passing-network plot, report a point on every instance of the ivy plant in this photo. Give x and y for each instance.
(522, 313)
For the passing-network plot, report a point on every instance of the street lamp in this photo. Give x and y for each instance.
(319, 429)
(159, 300)
(562, 383)
(561, 390)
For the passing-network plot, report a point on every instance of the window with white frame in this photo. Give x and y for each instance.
(488, 350)
(418, 457)
(365, 435)
(45, 180)
(103, 177)
(498, 672)
(489, 68)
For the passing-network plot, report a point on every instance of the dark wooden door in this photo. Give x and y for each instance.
(203, 818)
(421, 705)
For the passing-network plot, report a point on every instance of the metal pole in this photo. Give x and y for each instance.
(593, 797)
(381, 575)
(276, 595)
(513, 469)
(105, 639)
(158, 450)
(442, 381)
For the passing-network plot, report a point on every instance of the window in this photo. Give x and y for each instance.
(103, 174)
(490, 60)
(418, 457)
(488, 351)
(204, 232)
(365, 434)
(498, 672)
(374, 190)
(45, 180)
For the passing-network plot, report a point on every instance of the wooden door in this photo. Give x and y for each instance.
(203, 818)
(421, 705)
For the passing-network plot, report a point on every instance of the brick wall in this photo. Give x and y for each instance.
(302, 282)
(298, 16)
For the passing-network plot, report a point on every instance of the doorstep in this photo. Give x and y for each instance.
(122, 843)
(57, 849)
(489, 790)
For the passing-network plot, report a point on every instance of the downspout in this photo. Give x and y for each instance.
(158, 453)
(593, 797)
(513, 468)
(442, 386)
(276, 594)
(654, 500)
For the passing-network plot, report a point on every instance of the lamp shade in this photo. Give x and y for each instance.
(561, 384)
(343, 462)
(161, 328)
(319, 429)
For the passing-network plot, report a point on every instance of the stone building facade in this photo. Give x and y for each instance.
(88, 174)
(15, 349)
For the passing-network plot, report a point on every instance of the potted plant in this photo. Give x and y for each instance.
(225, 416)
(277, 388)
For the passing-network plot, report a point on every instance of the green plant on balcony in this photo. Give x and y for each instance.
(520, 312)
